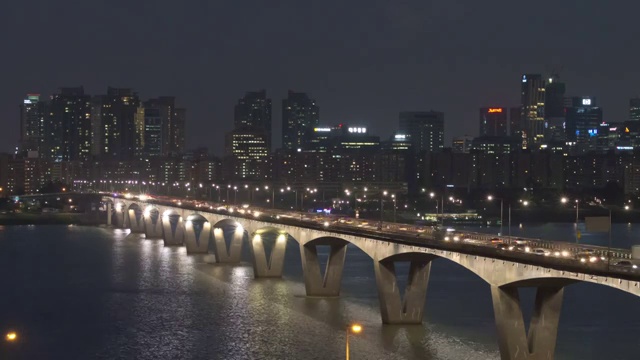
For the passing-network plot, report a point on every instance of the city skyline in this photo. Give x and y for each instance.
(356, 75)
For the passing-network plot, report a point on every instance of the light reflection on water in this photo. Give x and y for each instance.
(119, 295)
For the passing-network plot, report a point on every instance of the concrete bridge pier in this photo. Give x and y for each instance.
(109, 213)
(134, 220)
(267, 266)
(407, 308)
(196, 236)
(514, 341)
(232, 253)
(317, 284)
(172, 230)
(152, 224)
(119, 218)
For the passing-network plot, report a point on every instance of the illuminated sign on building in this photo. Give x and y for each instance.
(400, 137)
(357, 130)
(624, 147)
(524, 78)
(586, 101)
(495, 110)
(322, 129)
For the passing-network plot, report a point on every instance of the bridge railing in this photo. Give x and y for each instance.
(425, 232)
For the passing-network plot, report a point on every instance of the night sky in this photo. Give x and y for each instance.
(363, 61)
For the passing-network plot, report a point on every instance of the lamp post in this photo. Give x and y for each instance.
(433, 195)
(393, 196)
(273, 195)
(353, 329)
(564, 200)
(384, 193)
(501, 212)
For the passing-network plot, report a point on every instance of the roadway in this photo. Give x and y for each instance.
(571, 257)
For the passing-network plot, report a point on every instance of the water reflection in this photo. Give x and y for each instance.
(123, 296)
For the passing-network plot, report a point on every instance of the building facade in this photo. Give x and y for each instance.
(425, 127)
(300, 116)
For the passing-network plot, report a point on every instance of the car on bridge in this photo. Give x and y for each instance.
(626, 263)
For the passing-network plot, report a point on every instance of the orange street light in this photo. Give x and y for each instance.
(11, 336)
(355, 329)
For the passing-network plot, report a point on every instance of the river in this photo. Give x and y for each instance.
(73, 292)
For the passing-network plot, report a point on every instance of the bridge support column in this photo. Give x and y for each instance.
(109, 214)
(232, 253)
(271, 266)
(152, 226)
(134, 221)
(196, 236)
(394, 307)
(540, 341)
(314, 282)
(119, 218)
(172, 230)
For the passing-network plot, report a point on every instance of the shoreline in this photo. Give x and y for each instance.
(91, 219)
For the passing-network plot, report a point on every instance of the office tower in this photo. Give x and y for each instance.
(634, 109)
(533, 95)
(493, 121)
(33, 112)
(68, 129)
(425, 127)
(178, 131)
(158, 114)
(248, 146)
(554, 110)
(249, 153)
(253, 112)
(300, 115)
(515, 121)
(114, 124)
(554, 102)
(462, 144)
(583, 122)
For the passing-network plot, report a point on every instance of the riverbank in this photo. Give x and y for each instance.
(90, 219)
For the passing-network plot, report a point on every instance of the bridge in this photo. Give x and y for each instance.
(200, 227)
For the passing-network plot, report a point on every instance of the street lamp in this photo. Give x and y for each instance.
(393, 196)
(353, 329)
(433, 195)
(384, 193)
(490, 198)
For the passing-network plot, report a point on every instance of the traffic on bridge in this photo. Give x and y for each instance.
(595, 260)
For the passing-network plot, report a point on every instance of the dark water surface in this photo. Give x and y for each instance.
(99, 293)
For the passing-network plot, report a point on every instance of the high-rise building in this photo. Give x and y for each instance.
(425, 127)
(634, 109)
(554, 110)
(515, 121)
(33, 112)
(300, 116)
(249, 154)
(533, 95)
(68, 130)
(462, 144)
(158, 114)
(583, 123)
(178, 131)
(115, 135)
(554, 103)
(253, 112)
(493, 121)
